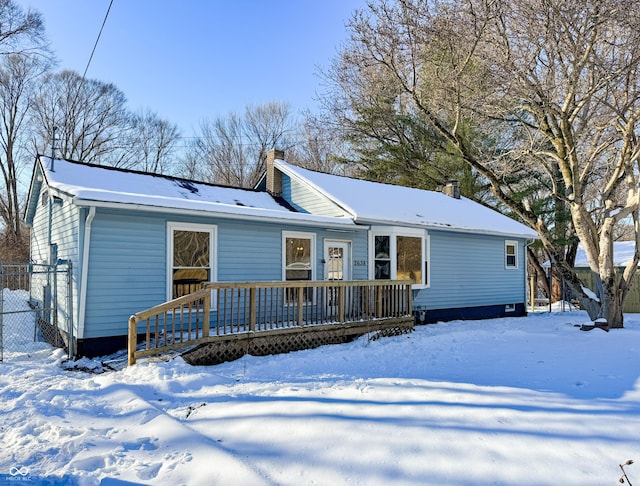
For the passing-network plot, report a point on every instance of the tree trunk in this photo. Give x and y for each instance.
(612, 305)
(611, 293)
(556, 286)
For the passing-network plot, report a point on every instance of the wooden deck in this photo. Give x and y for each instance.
(269, 317)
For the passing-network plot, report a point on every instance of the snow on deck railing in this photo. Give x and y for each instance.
(223, 309)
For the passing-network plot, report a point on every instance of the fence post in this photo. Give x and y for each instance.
(132, 340)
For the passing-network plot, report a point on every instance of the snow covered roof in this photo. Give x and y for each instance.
(91, 185)
(622, 254)
(373, 203)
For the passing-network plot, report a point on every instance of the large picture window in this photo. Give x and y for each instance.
(400, 254)
(409, 258)
(191, 257)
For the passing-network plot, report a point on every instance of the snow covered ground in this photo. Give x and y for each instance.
(520, 401)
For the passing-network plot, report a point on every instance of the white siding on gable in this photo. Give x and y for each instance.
(307, 200)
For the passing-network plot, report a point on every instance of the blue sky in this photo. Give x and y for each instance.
(200, 59)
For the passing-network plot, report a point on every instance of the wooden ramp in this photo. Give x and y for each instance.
(229, 348)
(223, 321)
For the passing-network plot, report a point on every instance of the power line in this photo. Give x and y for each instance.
(95, 45)
(97, 39)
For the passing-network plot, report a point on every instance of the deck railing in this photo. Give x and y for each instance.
(223, 309)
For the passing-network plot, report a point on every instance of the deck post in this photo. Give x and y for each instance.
(409, 299)
(132, 341)
(379, 301)
(252, 309)
(300, 305)
(341, 293)
(206, 318)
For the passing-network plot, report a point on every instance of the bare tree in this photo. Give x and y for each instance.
(320, 147)
(232, 150)
(553, 87)
(21, 32)
(152, 142)
(267, 126)
(90, 116)
(23, 57)
(222, 157)
(17, 76)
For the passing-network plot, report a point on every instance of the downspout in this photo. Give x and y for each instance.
(85, 270)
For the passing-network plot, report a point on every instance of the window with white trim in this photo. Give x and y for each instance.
(400, 254)
(511, 254)
(190, 257)
(298, 255)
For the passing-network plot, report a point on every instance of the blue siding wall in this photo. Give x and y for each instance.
(126, 270)
(128, 262)
(469, 271)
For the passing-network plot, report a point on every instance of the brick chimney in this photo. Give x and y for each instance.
(274, 177)
(452, 189)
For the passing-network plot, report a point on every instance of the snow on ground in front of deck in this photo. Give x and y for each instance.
(518, 401)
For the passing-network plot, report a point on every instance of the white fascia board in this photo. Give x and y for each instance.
(427, 226)
(245, 213)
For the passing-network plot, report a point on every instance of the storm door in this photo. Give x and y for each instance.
(337, 258)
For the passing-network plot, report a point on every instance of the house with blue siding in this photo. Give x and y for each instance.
(135, 240)
(465, 259)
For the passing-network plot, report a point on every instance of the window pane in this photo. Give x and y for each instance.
(382, 247)
(191, 265)
(382, 269)
(335, 264)
(298, 264)
(409, 258)
(188, 280)
(190, 249)
(511, 252)
(298, 274)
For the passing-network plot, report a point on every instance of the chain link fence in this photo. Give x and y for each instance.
(35, 309)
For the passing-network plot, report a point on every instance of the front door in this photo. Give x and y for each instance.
(337, 260)
(337, 267)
